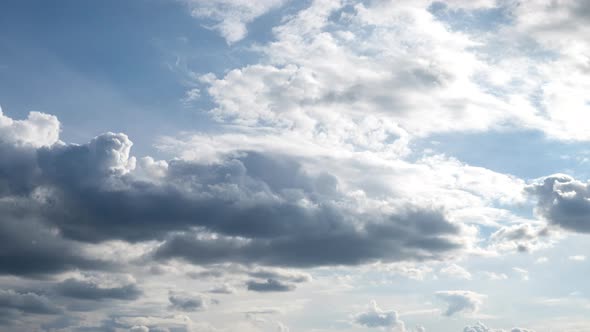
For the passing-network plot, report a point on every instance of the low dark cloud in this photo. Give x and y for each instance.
(270, 285)
(252, 201)
(88, 290)
(413, 235)
(29, 303)
(29, 247)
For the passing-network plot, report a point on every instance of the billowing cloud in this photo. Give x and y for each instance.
(563, 201)
(37, 130)
(377, 317)
(249, 207)
(305, 166)
(523, 237)
(460, 301)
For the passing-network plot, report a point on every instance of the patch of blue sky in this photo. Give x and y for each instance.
(478, 20)
(115, 65)
(526, 154)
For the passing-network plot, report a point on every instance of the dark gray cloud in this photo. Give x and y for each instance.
(92, 196)
(88, 290)
(29, 247)
(270, 285)
(29, 303)
(184, 302)
(414, 234)
(279, 275)
(563, 201)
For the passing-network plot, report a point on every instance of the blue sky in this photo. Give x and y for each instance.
(285, 165)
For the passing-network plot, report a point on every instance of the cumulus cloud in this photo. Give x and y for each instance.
(315, 175)
(184, 302)
(37, 130)
(563, 201)
(460, 301)
(249, 207)
(523, 237)
(377, 317)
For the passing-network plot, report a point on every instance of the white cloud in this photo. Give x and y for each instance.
(231, 17)
(455, 271)
(524, 274)
(480, 327)
(376, 317)
(37, 130)
(577, 258)
(460, 301)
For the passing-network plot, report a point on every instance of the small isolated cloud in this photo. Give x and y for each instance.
(270, 285)
(460, 301)
(577, 258)
(524, 274)
(223, 289)
(455, 271)
(541, 260)
(495, 276)
(184, 302)
(523, 237)
(376, 317)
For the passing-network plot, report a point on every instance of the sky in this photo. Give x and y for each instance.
(294, 165)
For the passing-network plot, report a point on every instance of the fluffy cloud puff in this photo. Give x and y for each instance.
(231, 17)
(376, 317)
(460, 301)
(249, 207)
(563, 201)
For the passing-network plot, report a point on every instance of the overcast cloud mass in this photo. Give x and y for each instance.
(294, 165)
